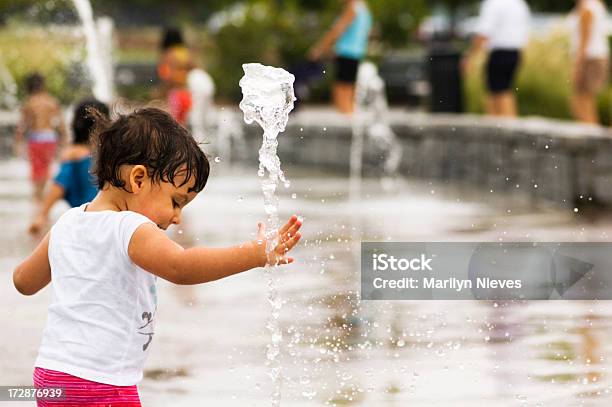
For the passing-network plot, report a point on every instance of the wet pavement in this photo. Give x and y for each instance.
(209, 346)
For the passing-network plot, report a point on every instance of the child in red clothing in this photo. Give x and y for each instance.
(41, 120)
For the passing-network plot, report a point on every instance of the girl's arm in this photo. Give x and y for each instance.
(153, 251)
(34, 273)
(55, 193)
(345, 20)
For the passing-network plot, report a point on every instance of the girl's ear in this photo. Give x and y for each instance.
(138, 175)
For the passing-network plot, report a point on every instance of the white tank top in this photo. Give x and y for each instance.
(101, 322)
(597, 45)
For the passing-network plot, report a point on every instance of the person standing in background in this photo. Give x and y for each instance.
(349, 36)
(503, 28)
(41, 121)
(591, 58)
(175, 63)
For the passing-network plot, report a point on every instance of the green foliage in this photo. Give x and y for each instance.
(543, 84)
(282, 36)
(54, 54)
(397, 20)
(248, 39)
(262, 33)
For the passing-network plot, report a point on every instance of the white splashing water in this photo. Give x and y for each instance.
(370, 120)
(8, 89)
(98, 41)
(267, 99)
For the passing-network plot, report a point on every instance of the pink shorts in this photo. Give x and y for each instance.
(41, 157)
(84, 393)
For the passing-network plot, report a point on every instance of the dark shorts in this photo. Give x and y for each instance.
(346, 69)
(501, 68)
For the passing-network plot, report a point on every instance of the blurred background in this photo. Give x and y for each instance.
(217, 31)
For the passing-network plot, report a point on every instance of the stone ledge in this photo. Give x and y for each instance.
(549, 160)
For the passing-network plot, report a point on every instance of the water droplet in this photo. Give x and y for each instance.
(575, 210)
(240, 199)
(346, 376)
(309, 394)
(294, 195)
(217, 159)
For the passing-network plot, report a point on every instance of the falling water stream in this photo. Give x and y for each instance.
(267, 99)
(99, 63)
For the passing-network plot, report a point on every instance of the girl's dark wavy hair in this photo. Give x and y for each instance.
(149, 137)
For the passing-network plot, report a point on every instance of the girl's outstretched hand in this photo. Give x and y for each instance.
(288, 236)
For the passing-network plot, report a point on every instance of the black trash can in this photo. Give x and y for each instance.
(444, 74)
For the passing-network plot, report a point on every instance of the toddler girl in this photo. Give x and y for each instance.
(104, 257)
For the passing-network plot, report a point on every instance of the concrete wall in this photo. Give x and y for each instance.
(547, 160)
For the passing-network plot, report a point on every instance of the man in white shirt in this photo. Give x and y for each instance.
(503, 28)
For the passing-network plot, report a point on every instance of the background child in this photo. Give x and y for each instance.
(104, 257)
(74, 181)
(41, 119)
(175, 63)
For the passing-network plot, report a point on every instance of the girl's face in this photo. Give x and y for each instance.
(162, 202)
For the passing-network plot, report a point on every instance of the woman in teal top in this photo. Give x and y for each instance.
(349, 35)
